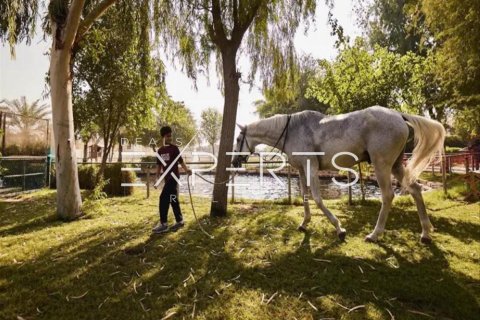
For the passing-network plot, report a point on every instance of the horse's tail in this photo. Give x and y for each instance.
(429, 139)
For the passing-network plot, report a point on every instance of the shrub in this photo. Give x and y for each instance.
(452, 149)
(31, 149)
(455, 141)
(86, 177)
(149, 159)
(115, 177)
(12, 150)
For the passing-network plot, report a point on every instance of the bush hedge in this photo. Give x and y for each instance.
(87, 175)
(115, 176)
(455, 141)
(31, 149)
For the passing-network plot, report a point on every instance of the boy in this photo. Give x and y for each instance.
(169, 196)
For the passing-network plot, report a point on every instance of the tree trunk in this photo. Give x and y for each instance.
(105, 154)
(232, 89)
(213, 148)
(112, 150)
(69, 200)
(85, 151)
(120, 148)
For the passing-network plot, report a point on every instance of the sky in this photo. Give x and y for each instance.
(25, 75)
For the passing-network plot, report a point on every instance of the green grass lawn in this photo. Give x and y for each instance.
(107, 265)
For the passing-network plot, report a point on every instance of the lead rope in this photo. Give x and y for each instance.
(194, 213)
(212, 182)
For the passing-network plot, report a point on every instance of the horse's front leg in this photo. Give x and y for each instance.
(341, 232)
(306, 207)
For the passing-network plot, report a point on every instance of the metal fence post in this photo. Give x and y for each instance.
(148, 182)
(4, 132)
(289, 185)
(349, 190)
(444, 169)
(47, 177)
(23, 175)
(232, 200)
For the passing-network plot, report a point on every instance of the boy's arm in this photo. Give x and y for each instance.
(183, 164)
(185, 168)
(159, 171)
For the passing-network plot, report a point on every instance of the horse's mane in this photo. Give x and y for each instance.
(278, 121)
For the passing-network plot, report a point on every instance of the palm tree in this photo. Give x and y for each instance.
(26, 116)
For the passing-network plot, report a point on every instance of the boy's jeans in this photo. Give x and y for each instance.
(169, 196)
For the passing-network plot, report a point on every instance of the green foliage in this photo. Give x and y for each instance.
(193, 31)
(458, 43)
(452, 149)
(467, 119)
(178, 117)
(17, 21)
(455, 25)
(287, 93)
(398, 25)
(58, 11)
(359, 78)
(98, 192)
(447, 32)
(117, 83)
(211, 126)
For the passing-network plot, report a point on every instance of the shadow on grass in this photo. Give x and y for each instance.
(123, 272)
(27, 215)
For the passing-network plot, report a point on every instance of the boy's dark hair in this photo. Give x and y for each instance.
(165, 130)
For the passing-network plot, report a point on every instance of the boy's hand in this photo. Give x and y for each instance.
(189, 172)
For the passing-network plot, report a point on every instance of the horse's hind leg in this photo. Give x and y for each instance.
(306, 206)
(383, 174)
(341, 233)
(416, 191)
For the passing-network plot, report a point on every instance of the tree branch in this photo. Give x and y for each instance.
(219, 31)
(235, 12)
(73, 21)
(92, 16)
(240, 27)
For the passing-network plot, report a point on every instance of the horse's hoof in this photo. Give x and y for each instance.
(425, 240)
(302, 228)
(370, 239)
(342, 235)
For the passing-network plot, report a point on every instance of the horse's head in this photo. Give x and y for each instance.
(242, 145)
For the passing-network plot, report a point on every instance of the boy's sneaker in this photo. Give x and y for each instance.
(160, 228)
(177, 226)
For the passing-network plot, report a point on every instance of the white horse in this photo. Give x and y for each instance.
(375, 134)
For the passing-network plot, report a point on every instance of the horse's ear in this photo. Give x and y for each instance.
(241, 127)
